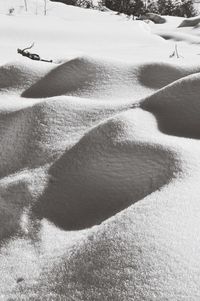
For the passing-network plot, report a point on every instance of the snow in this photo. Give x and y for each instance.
(99, 186)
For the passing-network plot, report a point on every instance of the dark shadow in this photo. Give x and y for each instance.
(173, 128)
(68, 78)
(158, 75)
(177, 108)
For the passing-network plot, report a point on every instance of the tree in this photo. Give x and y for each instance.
(188, 8)
(84, 3)
(182, 8)
(25, 3)
(113, 4)
(136, 7)
(126, 6)
(45, 7)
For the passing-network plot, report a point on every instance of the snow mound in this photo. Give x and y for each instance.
(106, 171)
(19, 76)
(87, 77)
(177, 107)
(96, 78)
(31, 136)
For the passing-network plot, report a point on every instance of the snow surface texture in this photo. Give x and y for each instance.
(100, 167)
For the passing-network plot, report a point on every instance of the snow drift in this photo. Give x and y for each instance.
(94, 78)
(102, 174)
(99, 166)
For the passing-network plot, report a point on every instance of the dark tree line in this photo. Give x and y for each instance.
(183, 8)
(126, 6)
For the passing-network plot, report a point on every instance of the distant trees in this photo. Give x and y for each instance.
(126, 6)
(81, 3)
(184, 8)
(84, 3)
(136, 7)
(188, 8)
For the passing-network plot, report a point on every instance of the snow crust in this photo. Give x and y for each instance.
(99, 167)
